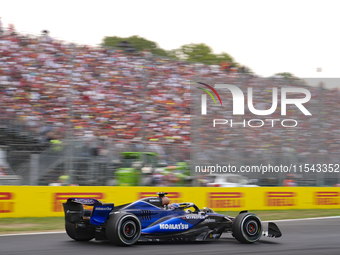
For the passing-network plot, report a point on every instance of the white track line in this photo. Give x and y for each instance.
(317, 218)
(37, 233)
(62, 232)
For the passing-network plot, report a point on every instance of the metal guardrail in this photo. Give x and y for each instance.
(10, 180)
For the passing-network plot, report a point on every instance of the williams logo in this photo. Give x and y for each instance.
(103, 208)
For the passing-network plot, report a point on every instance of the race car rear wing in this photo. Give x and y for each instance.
(84, 201)
(74, 210)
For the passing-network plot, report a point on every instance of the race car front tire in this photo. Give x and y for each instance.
(123, 229)
(247, 228)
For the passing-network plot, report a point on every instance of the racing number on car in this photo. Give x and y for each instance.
(60, 198)
(6, 206)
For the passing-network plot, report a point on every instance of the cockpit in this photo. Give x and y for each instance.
(164, 202)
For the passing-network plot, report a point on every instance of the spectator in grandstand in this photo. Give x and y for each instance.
(289, 181)
(56, 143)
(11, 29)
(2, 171)
(62, 181)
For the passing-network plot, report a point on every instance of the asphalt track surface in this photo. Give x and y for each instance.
(300, 237)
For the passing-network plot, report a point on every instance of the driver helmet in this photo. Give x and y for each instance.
(173, 206)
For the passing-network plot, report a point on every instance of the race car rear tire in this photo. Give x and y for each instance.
(123, 229)
(79, 234)
(247, 228)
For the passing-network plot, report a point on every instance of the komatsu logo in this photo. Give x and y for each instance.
(174, 226)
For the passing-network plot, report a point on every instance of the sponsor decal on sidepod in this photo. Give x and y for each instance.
(174, 226)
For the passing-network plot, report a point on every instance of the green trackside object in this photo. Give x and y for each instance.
(135, 166)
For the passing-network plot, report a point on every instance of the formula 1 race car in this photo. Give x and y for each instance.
(154, 219)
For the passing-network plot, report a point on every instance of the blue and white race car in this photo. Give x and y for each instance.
(155, 219)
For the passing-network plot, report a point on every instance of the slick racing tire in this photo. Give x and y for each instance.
(79, 234)
(123, 229)
(247, 228)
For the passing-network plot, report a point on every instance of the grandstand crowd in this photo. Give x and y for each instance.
(52, 87)
(57, 89)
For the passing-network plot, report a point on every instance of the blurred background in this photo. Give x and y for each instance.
(312, 143)
(119, 114)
